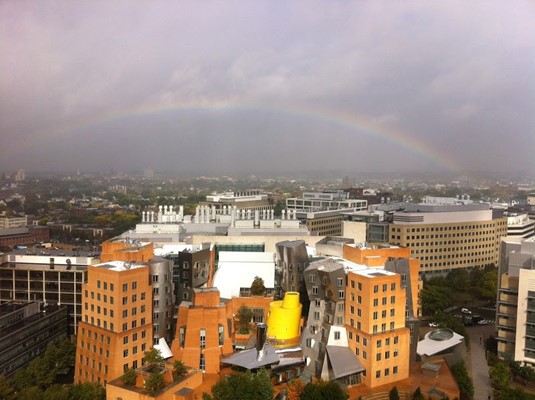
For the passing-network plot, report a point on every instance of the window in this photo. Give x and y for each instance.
(396, 353)
(392, 299)
(125, 300)
(134, 337)
(143, 295)
(396, 339)
(202, 362)
(221, 334)
(377, 374)
(384, 301)
(134, 285)
(392, 286)
(312, 278)
(340, 282)
(387, 371)
(379, 343)
(378, 357)
(364, 341)
(154, 278)
(359, 286)
(316, 315)
(375, 288)
(385, 287)
(375, 315)
(375, 302)
(125, 340)
(374, 329)
(341, 294)
(387, 341)
(309, 342)
(98, 284)
(395, 369)
(202, 335)
(387, 355)
(125, 313)
(337, 335)
(314, 290)
(125, 353)
(359, 299)
(182, 335)
(125, 327)
(134, 298)
(125, 287)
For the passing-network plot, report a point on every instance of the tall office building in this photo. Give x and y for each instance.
(375, 319)
(116, 326)
(446, 237)
(515, 312)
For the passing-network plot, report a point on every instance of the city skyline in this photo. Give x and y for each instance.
(267, 87)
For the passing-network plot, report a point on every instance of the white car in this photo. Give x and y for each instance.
(433, 324)
(466, 311)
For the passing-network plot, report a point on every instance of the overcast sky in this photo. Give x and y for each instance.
(219, 87)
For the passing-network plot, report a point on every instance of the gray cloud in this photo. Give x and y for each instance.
(454, 76)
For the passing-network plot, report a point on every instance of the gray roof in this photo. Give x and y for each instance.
(248, 359)
(343, 361)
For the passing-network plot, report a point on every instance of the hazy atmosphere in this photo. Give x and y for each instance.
(218, 87)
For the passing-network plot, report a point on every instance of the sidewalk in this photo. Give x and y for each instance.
(480, 370)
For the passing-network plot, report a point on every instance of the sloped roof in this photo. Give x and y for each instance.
(343, 361)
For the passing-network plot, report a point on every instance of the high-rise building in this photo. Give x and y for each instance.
(446, 237)
(325, 338)
(375, 320)
(515, 312)
(116, 326)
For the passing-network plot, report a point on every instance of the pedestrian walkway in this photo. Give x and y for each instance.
(480, 370)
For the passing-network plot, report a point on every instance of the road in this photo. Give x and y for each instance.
(480, 371)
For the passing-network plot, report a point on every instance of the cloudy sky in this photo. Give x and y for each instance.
(256, 86)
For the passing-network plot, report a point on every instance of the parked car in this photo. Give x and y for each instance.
(466, 311)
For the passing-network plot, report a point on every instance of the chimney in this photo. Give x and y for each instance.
(261, 333)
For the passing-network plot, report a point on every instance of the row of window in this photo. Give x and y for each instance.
(104, 323)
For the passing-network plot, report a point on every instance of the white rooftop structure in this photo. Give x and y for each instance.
(119, 265)
(238, 270)
(437, 341)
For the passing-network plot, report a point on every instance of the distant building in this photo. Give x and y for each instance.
(446, 237)
(324, 201)
(26, 329)
(13, 222)
(24, 236)
(520, 225)
(249, 199)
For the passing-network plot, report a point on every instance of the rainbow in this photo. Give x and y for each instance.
(354, 123)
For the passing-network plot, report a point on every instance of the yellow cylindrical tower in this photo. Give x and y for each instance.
(284, 317)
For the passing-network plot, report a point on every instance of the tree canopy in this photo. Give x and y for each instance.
(246, 386)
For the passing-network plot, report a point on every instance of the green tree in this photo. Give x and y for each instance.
(393, 394)
(129, 377)
(466, 387)
(153, 356)
(257, 287)
(418, 395)
(29, 393)
(246, 386)
(87, 391)
(154, 382)
(6, 390)
(57, 392)
(179, 368)
(435, 298)
(324, 390)
(245, 315)
(500, 375)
